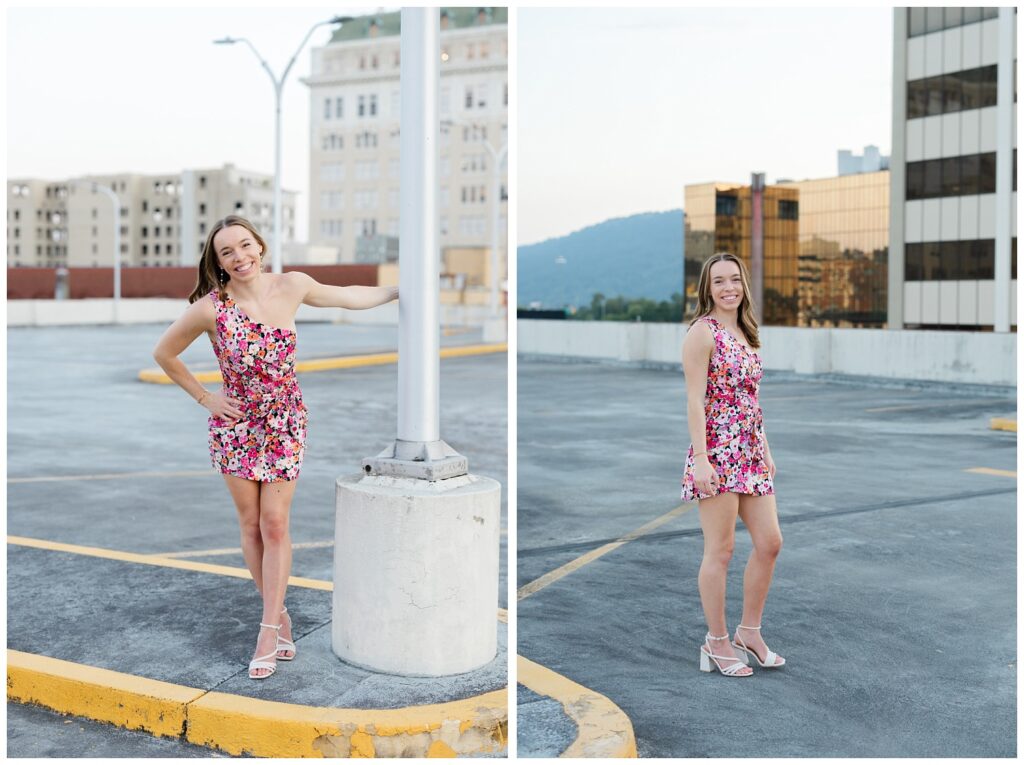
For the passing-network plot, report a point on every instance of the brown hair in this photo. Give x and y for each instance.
(705, 305)
(211, 275)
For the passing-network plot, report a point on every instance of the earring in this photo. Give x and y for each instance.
(222, 276)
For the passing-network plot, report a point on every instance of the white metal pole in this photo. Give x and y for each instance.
(496, 157)
(419, 334)
(276, 259)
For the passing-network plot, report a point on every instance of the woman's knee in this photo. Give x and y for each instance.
(720, 553)
(273, 526)
(769, 547)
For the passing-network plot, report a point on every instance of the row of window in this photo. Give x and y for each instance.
(954, 176)
(921, 21)
(951, 261)
(728, 204)
(953, 92)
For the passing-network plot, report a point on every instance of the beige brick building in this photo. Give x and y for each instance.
(164, 218)
(354, 123)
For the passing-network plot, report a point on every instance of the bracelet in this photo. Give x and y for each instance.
(202, 398)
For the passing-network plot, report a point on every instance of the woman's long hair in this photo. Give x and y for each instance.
(211, 275)
(705, 305)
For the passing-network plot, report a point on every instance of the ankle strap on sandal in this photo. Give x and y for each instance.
(709, 636)
(271, 626)
(749, 628)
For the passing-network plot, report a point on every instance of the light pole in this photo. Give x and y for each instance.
(497, 158)
(117, 240)
(275, 254)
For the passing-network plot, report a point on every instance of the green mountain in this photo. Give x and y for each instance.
(637, 256)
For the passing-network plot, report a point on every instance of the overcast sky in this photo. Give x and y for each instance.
(619, 109)
(144, 90)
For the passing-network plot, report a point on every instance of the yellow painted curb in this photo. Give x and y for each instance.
(127, 701)
(339, 362)
(604, 729)
(1002, 423)
(244, 725)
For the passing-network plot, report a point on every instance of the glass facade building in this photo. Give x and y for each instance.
(843, 250)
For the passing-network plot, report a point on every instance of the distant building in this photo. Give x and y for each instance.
(825, 246)
(720, 216)
(953, 240)
(354, 124)
(870, 162)
(843, 250)
(164, 218)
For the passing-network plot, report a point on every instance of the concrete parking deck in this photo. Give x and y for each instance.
(126, 584)
(894, 598)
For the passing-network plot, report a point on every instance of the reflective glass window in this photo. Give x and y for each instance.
(952, 92)
(951, 176)
(932, 179)
(933, 21)
(934, 87)
(969, 168)
(917, 99)
(1013, 258)
(989, 13)
(913, 262)
(981, 254)
(953, 17)
(916, 21)
(987, 83)
(725, 204)
(931, 261)
(970, 82)
(949, 258)
(987, 173)
(972, 14)
(915, 180)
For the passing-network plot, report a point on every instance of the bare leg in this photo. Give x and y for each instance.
(246, 494)
(718, 522)
(275, 505)
(762, 521)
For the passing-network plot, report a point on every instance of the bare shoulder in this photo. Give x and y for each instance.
(201, 314)
(295, 284)
(699, 336)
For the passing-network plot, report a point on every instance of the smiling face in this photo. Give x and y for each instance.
(726, 285)
(238, 253)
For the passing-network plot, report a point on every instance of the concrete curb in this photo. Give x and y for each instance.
(604, 729)
(1002, 423)
(338, 362)
(243, 725)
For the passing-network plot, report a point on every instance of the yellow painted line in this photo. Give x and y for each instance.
(993, 471)
(236, 550)
(503, 615)
(156, 560)
(244, 725)
(604, 730)
(338, 362)
(1002, 423)
(110, 476)
(562, 571)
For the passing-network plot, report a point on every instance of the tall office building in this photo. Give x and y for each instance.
(953, 233)
(354, 123)
(164, 218)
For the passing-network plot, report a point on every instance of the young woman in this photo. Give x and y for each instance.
(257, 419)
(729, 468)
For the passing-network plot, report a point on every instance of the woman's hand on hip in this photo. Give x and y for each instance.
(224, 407)
(769, 463)
(705, 478)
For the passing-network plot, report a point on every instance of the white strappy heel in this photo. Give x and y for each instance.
(733, 670)
(260, 662)
(769, 658)
(284, 644)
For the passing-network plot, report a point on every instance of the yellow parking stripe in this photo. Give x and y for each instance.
(562, 571)
(110, 476)
(993, 471)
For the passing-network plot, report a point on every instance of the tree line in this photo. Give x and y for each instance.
(620, 308)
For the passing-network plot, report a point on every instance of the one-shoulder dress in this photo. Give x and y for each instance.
(734, 426)
(257, 362)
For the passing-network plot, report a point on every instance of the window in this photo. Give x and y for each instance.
(202, 182)
(362, 106)
(950, 261)
(339, 108)
(788, 209)
(156, 249)
(145, 206)
(469, 97)
(327, 108)
(726, 204)
(145, 249)
(202, 208)
(145, 231)
(373, 105)
(481, 96)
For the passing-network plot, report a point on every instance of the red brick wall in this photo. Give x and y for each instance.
(26, 283)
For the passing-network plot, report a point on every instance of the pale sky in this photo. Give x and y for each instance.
(620, 108)
(145, 90)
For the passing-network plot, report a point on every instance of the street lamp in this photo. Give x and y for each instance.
(497, 157)
(276, 264)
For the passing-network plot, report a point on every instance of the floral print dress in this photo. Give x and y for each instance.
(735, 430)
(257, 362)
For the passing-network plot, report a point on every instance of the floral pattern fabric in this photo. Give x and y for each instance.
(734, 426)
(257, 362)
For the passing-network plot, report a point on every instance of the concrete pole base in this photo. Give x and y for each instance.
(416, 574)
